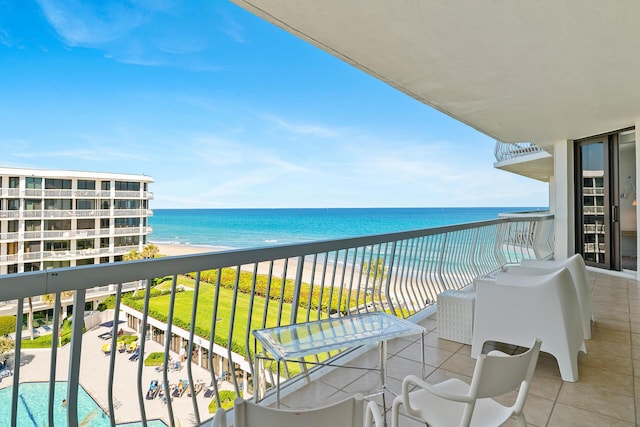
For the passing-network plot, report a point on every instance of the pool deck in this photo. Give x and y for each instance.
(94, 371)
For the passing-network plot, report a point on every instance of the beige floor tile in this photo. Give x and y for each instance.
(431, 339)
(460, 364)
(569, 416)
(620, 406)
(545, 387)
(609, 361)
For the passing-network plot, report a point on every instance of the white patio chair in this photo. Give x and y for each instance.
(219, 419)
(518, 308)
(576, 266)
(347, 413)
(455, 403)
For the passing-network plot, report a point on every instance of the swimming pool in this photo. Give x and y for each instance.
(33, 404)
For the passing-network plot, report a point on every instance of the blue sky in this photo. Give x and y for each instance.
(224, 110)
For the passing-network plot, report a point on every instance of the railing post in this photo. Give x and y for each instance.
(74, 358)
(295, 303)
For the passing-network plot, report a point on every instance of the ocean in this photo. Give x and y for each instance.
(250, 228)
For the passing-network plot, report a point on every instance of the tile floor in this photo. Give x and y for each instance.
(607, 393)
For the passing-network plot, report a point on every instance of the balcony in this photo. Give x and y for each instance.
(249, 289)
(524, 158)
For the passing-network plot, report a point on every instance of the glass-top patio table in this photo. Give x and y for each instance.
(293, 342)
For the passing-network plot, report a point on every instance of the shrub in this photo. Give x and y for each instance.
(226, 401)
(154, 359)
(7, 325)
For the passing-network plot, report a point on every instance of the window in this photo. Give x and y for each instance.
(127, 186)
(84, 244)
(57, 184)
(127, 222)
(57, 224)
(86, 224)
(33, 204)
(57, 245)
(104, 260)
(12, 248)
(104, 243)
(104, 223)
(87, 261)
(58, 204)
(13, 204)
(14, 182)
(33, 183)
(12, 226)
(56, 264)
(33, 247)
(126, 204)
(86, 185)
(13, 268)
(126, 240)
(105, 204)
(105, 185)
(32, 266)
(85, 204)
(32, 225)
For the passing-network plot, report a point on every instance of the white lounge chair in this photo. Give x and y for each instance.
(518, 308)
(455, 403)
(347, 413)
(219, 419)
(576, 266)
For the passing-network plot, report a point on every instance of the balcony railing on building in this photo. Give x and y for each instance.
(401, 273)
(508, 151)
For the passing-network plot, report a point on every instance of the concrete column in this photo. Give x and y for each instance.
(561, 195)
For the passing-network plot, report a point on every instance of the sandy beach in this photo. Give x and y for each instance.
(173, 250)
(263, 267)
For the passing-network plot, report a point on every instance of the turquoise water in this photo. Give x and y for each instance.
(247, 228)
(33, 405)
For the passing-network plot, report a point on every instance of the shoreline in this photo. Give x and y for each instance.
(173, 249)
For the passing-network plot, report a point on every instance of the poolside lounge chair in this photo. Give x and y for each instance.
(5, 372)
(47, 328)
(222, 377)
(106, 348)
(180, 388)
(135, 355)
(122, 347)
(132, 347)
(197, 388)
(209, 391)
(105, 335)
(153, 390)
(175, 365)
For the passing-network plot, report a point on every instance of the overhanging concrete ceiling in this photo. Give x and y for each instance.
(538, 71)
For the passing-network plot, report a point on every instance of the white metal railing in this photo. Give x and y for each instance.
(9, 214)
(507, 151)
(401, 273)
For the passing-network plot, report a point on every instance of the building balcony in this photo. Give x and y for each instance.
(235, 292)
(524, 158)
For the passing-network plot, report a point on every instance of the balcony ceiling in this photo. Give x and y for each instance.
(537, 71)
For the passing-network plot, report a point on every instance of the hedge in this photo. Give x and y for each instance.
(7, 325)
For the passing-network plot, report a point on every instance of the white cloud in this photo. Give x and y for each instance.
(81, 23)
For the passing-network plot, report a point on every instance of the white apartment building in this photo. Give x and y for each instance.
(55, 218)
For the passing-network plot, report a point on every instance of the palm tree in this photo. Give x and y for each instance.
(30, 318)
(150, 251)
(132, 255)
(50, 299)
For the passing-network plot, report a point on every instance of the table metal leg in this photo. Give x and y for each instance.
(278, 387)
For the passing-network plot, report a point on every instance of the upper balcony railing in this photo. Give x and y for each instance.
(507, 151)
(401, 273)
(55, 193)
